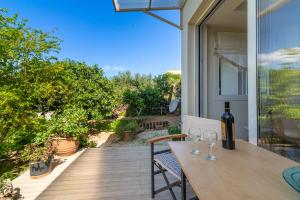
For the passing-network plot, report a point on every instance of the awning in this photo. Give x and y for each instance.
(147, 6)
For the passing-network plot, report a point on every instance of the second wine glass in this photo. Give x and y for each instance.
(195, 136)
(211, 137)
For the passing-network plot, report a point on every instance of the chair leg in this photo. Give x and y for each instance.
(183, 186)
(167, 182)
(152, 172)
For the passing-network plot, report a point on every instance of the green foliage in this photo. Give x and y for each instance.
(127, 81)
(32, 81)
(143, 100)
(22, 51)
(280, 96)
(135, 101)
(96, 126)
(35, 153)
(122, 125)
(145, 94)
(89, 88)
(172, 130)
(85, 142)
(72, 123)
(165, 82)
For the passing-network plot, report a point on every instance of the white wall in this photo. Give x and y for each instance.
(215, 102)
(193, 12)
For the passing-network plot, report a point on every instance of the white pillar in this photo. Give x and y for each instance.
(252, 72)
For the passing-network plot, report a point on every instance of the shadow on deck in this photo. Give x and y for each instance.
(108, 173)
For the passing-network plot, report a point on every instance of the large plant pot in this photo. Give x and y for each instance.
(128, 136)
(40, 169)
(65, 146)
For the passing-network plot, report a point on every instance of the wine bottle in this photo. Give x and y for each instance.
(228, 128)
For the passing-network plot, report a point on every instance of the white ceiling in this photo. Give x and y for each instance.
(231, 14)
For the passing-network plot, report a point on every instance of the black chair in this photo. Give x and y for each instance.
(165, 161)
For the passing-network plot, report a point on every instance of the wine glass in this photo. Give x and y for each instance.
(195, 136)
(211, 137)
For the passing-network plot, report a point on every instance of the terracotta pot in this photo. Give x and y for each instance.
(40, 169)
(128, 136)
(65, 146)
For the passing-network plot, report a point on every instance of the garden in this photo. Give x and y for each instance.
(50, 106)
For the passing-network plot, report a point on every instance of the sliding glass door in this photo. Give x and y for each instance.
(278, 71)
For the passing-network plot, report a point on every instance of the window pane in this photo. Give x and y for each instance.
(131, 4)
(124, 5)
(279, 76)
(167, 3)
(233, 76)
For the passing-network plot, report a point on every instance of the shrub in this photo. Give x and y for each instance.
(35, 153)
(123, 125)
(72, 123)
(102, 125)
(143, 100)
(132, 126)
(172, 130)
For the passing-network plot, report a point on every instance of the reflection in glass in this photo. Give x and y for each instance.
(233, 77)
(279, 76)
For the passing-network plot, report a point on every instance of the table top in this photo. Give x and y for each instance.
(248, 172)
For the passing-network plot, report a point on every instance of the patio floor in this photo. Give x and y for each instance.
(108, 173)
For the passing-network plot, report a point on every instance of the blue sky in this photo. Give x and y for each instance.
(279, 31)
(92, 32)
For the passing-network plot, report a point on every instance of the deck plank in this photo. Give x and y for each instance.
(108, 173)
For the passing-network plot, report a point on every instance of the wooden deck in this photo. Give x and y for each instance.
(108, 173)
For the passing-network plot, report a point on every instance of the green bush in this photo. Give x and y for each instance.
(35, 153)
(123, 125)
(172, 130)
(141, 101)
(101, 125)
(71, 123)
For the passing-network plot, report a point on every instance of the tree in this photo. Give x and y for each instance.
(89, 88)
(135, 101)
(142, 101)
(22, 51)
(166, 81)
(32, 81)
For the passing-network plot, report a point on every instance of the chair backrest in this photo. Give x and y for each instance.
(201, 123)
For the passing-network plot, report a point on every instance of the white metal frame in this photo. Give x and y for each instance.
(179, 26)
(252, 72)
(149, 9)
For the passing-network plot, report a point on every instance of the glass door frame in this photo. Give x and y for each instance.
(252, 72)
(252, 68)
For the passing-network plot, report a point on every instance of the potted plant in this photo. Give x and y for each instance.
(173, 130)
(40, 160)
(130, 130)
(66, 130)
(126, 129)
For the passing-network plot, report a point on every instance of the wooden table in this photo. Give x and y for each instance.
(248, 172)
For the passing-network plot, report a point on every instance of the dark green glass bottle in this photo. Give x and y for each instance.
(228, 128)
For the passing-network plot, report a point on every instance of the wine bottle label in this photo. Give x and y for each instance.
(233, 131)
(223, 127)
